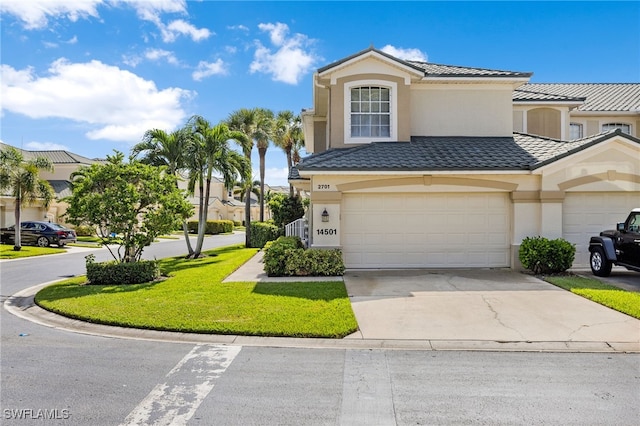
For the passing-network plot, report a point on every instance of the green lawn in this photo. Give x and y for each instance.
(194, 299)
(7, 252)
(627, 302)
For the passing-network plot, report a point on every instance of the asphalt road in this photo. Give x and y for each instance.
(49, 376)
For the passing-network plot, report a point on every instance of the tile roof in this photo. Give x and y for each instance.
(432, 70)
(451, 153)
(62, 188)
(440, 70)
(619, 97)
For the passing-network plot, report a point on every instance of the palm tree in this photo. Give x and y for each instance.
(264, 132)
(244, 121)
(288, 136)
(242, 188)
(211, 152)
(160, 148)
(22, 179)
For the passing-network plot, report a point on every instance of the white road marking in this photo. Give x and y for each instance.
(188, 383)
(366, 391)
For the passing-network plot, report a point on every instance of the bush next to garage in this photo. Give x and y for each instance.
(287, 257)
(543, 256)
(212, 227)
(111, 273)
(261, 233)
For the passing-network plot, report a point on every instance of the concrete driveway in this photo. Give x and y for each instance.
(479, 305)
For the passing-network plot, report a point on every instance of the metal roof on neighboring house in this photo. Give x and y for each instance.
(451, 153)
(605, 97)
(56, 156)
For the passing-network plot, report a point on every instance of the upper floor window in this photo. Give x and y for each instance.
(370, 111)
(626, 128)
(575, 131)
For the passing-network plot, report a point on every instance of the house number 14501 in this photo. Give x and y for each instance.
(325, 231)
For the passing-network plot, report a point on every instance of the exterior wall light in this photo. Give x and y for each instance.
(325, 216)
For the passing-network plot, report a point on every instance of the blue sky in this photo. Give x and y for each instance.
(91, 76)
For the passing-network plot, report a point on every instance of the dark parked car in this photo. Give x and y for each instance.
(617, 247)
(39, 233)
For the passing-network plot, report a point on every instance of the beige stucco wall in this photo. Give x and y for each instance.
(592, 124)
(545, 122)
(461, 110)
(337, 115)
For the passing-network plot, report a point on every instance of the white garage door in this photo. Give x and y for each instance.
(425, 230)
(587, 214)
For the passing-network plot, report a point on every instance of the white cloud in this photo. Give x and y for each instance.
(36, 13)
(176, 28)
(290, 61)
(44, 146)
(116, 104)
(159, 54)
(274, 176)
(207, 69)
(405, 54)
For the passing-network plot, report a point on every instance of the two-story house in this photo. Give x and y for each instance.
(426, 165)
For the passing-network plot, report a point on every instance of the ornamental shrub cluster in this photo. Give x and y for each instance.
(85, 231)
(114, 273)
(287, 257)
(543, 256)
(263, 232)
(212, 227)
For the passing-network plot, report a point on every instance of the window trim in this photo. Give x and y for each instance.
(393, 111)
(580, 126)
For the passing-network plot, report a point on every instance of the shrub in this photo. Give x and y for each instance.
(85, 231)
(263, 232)
(314, 262)
(543, 256)
(110, 273)
(212, 227)
(237, 223)
(285, 209)
(286, 257)
(275, 254)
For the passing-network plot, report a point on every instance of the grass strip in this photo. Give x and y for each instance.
(194, 299)
(627, 302)
(7, 252)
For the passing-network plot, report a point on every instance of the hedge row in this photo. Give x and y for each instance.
(286, 257)
(212, 226)
(113, 273)
(263, 232)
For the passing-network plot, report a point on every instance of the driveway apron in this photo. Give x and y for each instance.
(478, 304)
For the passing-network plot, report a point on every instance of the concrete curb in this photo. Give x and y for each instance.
(22, 304)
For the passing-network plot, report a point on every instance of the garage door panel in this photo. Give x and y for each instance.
(426, 230)
(587, 214)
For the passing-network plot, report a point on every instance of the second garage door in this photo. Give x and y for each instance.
(425, 230)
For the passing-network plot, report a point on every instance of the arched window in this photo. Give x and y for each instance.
(370, 111)
(626, 128)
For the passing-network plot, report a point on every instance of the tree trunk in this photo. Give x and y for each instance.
(289, 167)
(263, 153)
(17, 237)
(247, 218)
(185, 230)
(203, 220)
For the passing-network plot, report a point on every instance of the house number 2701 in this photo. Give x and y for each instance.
(325, 231)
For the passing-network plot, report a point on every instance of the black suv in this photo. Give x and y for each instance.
(619, 247)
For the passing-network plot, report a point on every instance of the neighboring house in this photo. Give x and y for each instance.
(417, 164)
(64, 164)
(222, 204)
